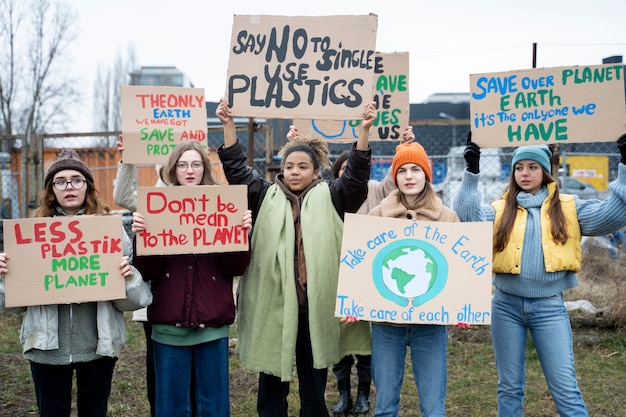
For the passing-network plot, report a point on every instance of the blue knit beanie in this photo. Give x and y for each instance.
(538, 153)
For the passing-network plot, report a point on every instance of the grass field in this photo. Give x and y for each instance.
(599, 348)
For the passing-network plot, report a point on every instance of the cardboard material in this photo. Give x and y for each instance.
(156, 119)
(548, 105)
(391, 95)
(294, 67)
(200, 219)
(60, 260)
(402, 271)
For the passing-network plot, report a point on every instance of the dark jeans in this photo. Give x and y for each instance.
(272, 400)
(150, 378)
(53, 387)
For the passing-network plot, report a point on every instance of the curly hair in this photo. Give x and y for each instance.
(316, 148)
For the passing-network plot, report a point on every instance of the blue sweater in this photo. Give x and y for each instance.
(595, 217)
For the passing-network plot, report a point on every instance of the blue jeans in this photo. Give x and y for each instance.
(428, 346)
(173, 366)
(549, 325)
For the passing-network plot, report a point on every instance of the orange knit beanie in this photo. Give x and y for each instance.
(411, 153)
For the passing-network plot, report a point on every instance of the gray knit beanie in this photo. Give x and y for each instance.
(68, 159)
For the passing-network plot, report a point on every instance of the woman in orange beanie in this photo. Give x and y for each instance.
(414, 199)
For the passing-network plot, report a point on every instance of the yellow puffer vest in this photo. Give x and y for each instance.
(556, 257)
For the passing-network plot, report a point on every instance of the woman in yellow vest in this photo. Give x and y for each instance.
(536, 254)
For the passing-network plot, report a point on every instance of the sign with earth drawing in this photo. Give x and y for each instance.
(403, 271)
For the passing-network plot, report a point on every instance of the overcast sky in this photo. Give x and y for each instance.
(447, 40)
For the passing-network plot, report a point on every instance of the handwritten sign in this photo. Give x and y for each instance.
(548, 105)
(156, 119)
(290, 67)
(59, 260)
(402, 271)
(200, 219)
(391, 95)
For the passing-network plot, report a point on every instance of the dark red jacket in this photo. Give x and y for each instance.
(192, 290)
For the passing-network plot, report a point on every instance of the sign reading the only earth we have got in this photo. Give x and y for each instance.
(301, 67)
(200, 219)
(402, 271)
(59, 260)
(548, 106)
(156, 119)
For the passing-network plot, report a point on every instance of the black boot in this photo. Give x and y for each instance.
(344, 405)
(362, 404)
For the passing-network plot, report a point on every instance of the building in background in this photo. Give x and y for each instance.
(160, 76)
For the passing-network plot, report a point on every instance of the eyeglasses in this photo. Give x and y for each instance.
(184, 166)
(76, 183)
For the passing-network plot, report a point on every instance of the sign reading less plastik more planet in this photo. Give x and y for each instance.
(402, 271)
(59, 260)
(301, 67)
(391, 96)
(548, 106)
(156, 119)
(200, 219)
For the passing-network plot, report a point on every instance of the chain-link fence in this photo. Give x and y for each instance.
(593, 165)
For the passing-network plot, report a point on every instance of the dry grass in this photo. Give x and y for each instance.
(602, 283)
(600, 353)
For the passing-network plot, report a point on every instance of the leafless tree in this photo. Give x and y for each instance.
(107, 98)
(36, 93)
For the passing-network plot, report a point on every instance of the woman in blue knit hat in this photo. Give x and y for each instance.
(536, 254)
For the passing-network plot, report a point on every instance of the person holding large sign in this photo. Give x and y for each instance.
(287, 295)
(193, 306)
(376, 192)
(86, 338)
(536, 254)
(415, 200)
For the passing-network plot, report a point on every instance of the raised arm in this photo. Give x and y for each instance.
(223, 113)
(369, 115)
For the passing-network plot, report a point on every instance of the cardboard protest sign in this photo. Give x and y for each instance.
(402, 271)
(548, 105)
(391, 95)
(200, 219)
(60, 260)
(293, 67)
(156, 119)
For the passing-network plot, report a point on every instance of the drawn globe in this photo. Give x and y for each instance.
(409, 271)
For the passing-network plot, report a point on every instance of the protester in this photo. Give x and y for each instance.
(415, 200)
(193, 307)
(343, 369)
(536, 254)
(82, 338)
(125, 195)
(287, 296)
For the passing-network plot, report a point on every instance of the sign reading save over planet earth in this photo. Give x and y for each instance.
(403, 271)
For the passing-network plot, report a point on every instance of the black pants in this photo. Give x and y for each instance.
(272, 400)
(343, 368)
(53, 387)
(147, 329)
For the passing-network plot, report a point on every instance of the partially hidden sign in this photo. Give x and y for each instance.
(548, 106)
(156, 119)
(290, 67)
(391, 95)
(199, 219)
(402, 271)
(61, 260)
